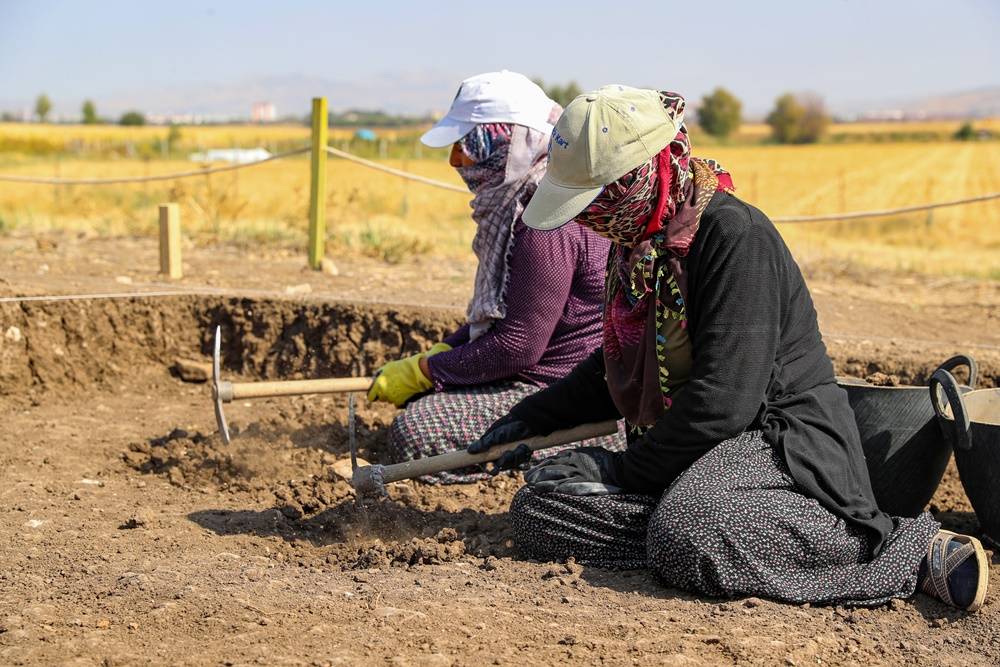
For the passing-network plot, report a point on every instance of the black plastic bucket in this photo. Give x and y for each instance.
(973, 422)
(903, 442)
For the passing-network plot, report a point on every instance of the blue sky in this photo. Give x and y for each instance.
(410, 55)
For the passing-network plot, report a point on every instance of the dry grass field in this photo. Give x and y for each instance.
(383, 216)
(94, 137)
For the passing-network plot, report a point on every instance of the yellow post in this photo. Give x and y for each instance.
(317, 184)
(170, 240)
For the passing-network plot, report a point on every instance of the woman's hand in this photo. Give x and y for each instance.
(587, 471)
(502, 431)
(399, 381)
(505, 430)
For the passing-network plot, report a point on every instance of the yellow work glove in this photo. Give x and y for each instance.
(398, 381)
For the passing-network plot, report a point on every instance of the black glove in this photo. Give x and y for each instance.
(505, 430)
(587, 471)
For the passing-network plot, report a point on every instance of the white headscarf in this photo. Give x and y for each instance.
(503, 181)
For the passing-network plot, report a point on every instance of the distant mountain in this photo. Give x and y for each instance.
(417, 93)
(406, 93)
(409, 93)
(972, 104)
(978, 103)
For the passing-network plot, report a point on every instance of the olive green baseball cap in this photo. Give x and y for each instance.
(601, 136)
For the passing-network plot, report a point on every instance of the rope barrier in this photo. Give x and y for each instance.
(795, 218)
(395, 172)
(47, 298)
(146, 179)
(884, 212)
(231, 293)
(336, 152)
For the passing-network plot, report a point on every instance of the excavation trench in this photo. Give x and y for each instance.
(281, 459)
(68, 345)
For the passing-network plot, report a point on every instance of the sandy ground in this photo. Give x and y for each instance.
(130, 535)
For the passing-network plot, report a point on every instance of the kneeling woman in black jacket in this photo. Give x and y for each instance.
(744, 474)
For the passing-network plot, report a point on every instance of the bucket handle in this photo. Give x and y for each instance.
(960, 436)
(962, 360)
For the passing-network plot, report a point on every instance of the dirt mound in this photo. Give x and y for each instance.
(882, 380)
(291, 441)
(907, 364)
(284, 459)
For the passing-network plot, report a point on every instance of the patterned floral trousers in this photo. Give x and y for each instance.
(447, 421)
(733, 524)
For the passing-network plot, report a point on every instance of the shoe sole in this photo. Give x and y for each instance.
(984, 569)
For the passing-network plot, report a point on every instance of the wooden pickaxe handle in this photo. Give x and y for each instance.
(231, 391)
(224, 391)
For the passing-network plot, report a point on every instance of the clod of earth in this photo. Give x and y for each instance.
(190, 370)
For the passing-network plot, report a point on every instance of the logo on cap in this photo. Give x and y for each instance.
(557, 138)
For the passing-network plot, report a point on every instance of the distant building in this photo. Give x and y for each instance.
(233, 155)
(263, 112)
(192, 119)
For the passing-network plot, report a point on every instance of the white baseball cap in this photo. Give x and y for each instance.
(494, 97)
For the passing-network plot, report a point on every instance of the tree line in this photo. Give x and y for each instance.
(795, 119)
(88, 113)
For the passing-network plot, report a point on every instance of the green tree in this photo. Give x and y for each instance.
(89, 112)
(720, 113)
(814, 121)
(563, 95)
(798, 119)
(43, 105)
(173, 137)
(132, 118)
(965, 133)
(785, 119)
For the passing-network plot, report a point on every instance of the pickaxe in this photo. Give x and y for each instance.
(224, 391)
(371, 479)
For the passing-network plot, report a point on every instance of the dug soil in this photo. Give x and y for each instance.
(130, 534)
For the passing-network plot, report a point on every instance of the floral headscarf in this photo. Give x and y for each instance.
(651, 214)
(509, 161)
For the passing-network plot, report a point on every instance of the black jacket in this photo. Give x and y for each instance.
(758, 363)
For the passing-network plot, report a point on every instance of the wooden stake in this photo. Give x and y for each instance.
(170, 240)
(317, 184)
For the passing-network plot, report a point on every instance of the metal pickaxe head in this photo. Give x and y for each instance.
(366, 480)
(221, 391)
(369, 481)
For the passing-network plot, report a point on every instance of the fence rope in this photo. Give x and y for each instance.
(229, 293)
(146, 179)
(888, 211)
(336, 152)
(350, 157)
(788, 218)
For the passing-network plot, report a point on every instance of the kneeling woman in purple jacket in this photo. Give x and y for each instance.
(536, 307)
